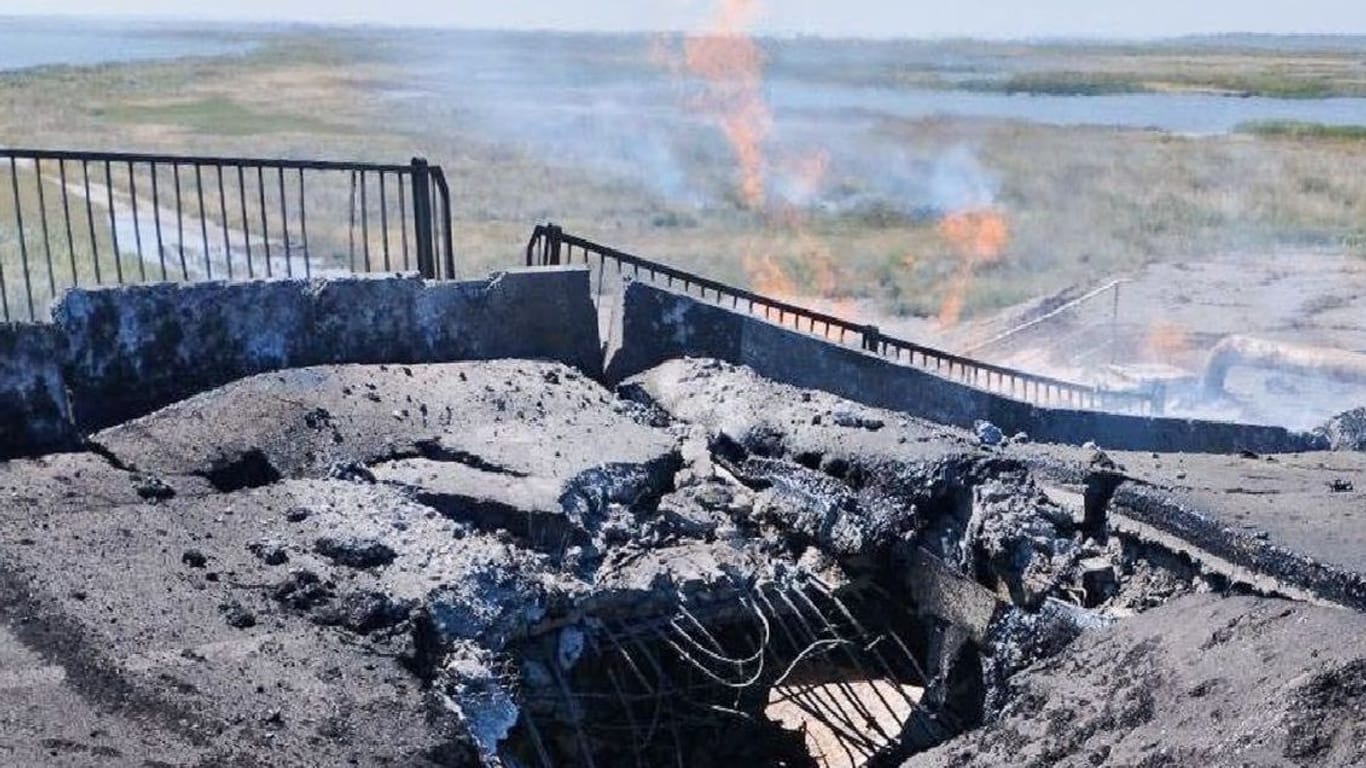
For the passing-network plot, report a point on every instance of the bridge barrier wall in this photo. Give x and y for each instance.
(654, 325)
(112, 354)
(34, 410)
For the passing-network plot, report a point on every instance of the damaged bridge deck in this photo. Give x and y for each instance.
(505, 563)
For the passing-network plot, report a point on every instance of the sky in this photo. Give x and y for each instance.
(842, 18)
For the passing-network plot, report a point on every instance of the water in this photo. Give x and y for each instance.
(603, 104)
(26, 43)
(1185, 113)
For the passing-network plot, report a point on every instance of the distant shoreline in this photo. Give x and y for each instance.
(1303, 42)
(33, 43)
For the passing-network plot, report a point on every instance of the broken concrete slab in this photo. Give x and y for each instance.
(300, 423)
(1280, 522)
(1201, 681)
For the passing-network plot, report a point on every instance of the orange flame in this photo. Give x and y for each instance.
(768, 277)
(733, 66)
(1166, 342)
(978, 237)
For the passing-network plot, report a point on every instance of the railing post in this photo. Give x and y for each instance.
(555, 243)
(422, 218)
(872, 339)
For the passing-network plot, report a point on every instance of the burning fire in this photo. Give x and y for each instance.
(767, 276)
(729, 60)
(1166, 342)
(978, 238)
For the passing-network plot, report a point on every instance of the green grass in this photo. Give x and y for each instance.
(1301, 130)
(215, 116)
(1060, 84)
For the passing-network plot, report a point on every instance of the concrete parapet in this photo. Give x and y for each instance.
(658, 325)
(34, 411)
(116, 353)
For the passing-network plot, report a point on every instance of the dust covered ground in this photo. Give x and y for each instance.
(504, 563)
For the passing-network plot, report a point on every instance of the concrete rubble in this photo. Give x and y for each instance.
(504, 563)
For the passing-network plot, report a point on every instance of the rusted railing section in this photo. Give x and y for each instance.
(551, 245)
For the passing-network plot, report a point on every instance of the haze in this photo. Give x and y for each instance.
(854, 18)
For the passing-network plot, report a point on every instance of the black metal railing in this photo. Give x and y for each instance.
(96, 218)
(550, 245)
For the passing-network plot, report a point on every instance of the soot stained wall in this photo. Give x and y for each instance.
(656, 325)
(113, 354)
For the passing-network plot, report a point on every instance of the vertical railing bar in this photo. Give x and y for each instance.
(180, 223)
(203, 220)
(351, 227)
(265, 225)
(432, 193)
(137, 221)
(113, 222)
(303, 227)
(364, 223)
(284, 221)
(66, 216)
(246, 219)
(448, 237)
(384, 220)
(435, 226)
(156, 220)
(223, 216)
(403, 219)
(47, 240)
(23, 247)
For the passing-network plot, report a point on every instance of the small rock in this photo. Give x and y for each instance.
(1020, 438)
(269, 552)
(352, 471)
(1341, 486)
(988, 433)
(152, 488)
(237, 617)
(194, 558)
(297, 514)
(363, 612)
(318, 418)
(303, 591)
(354, 551)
